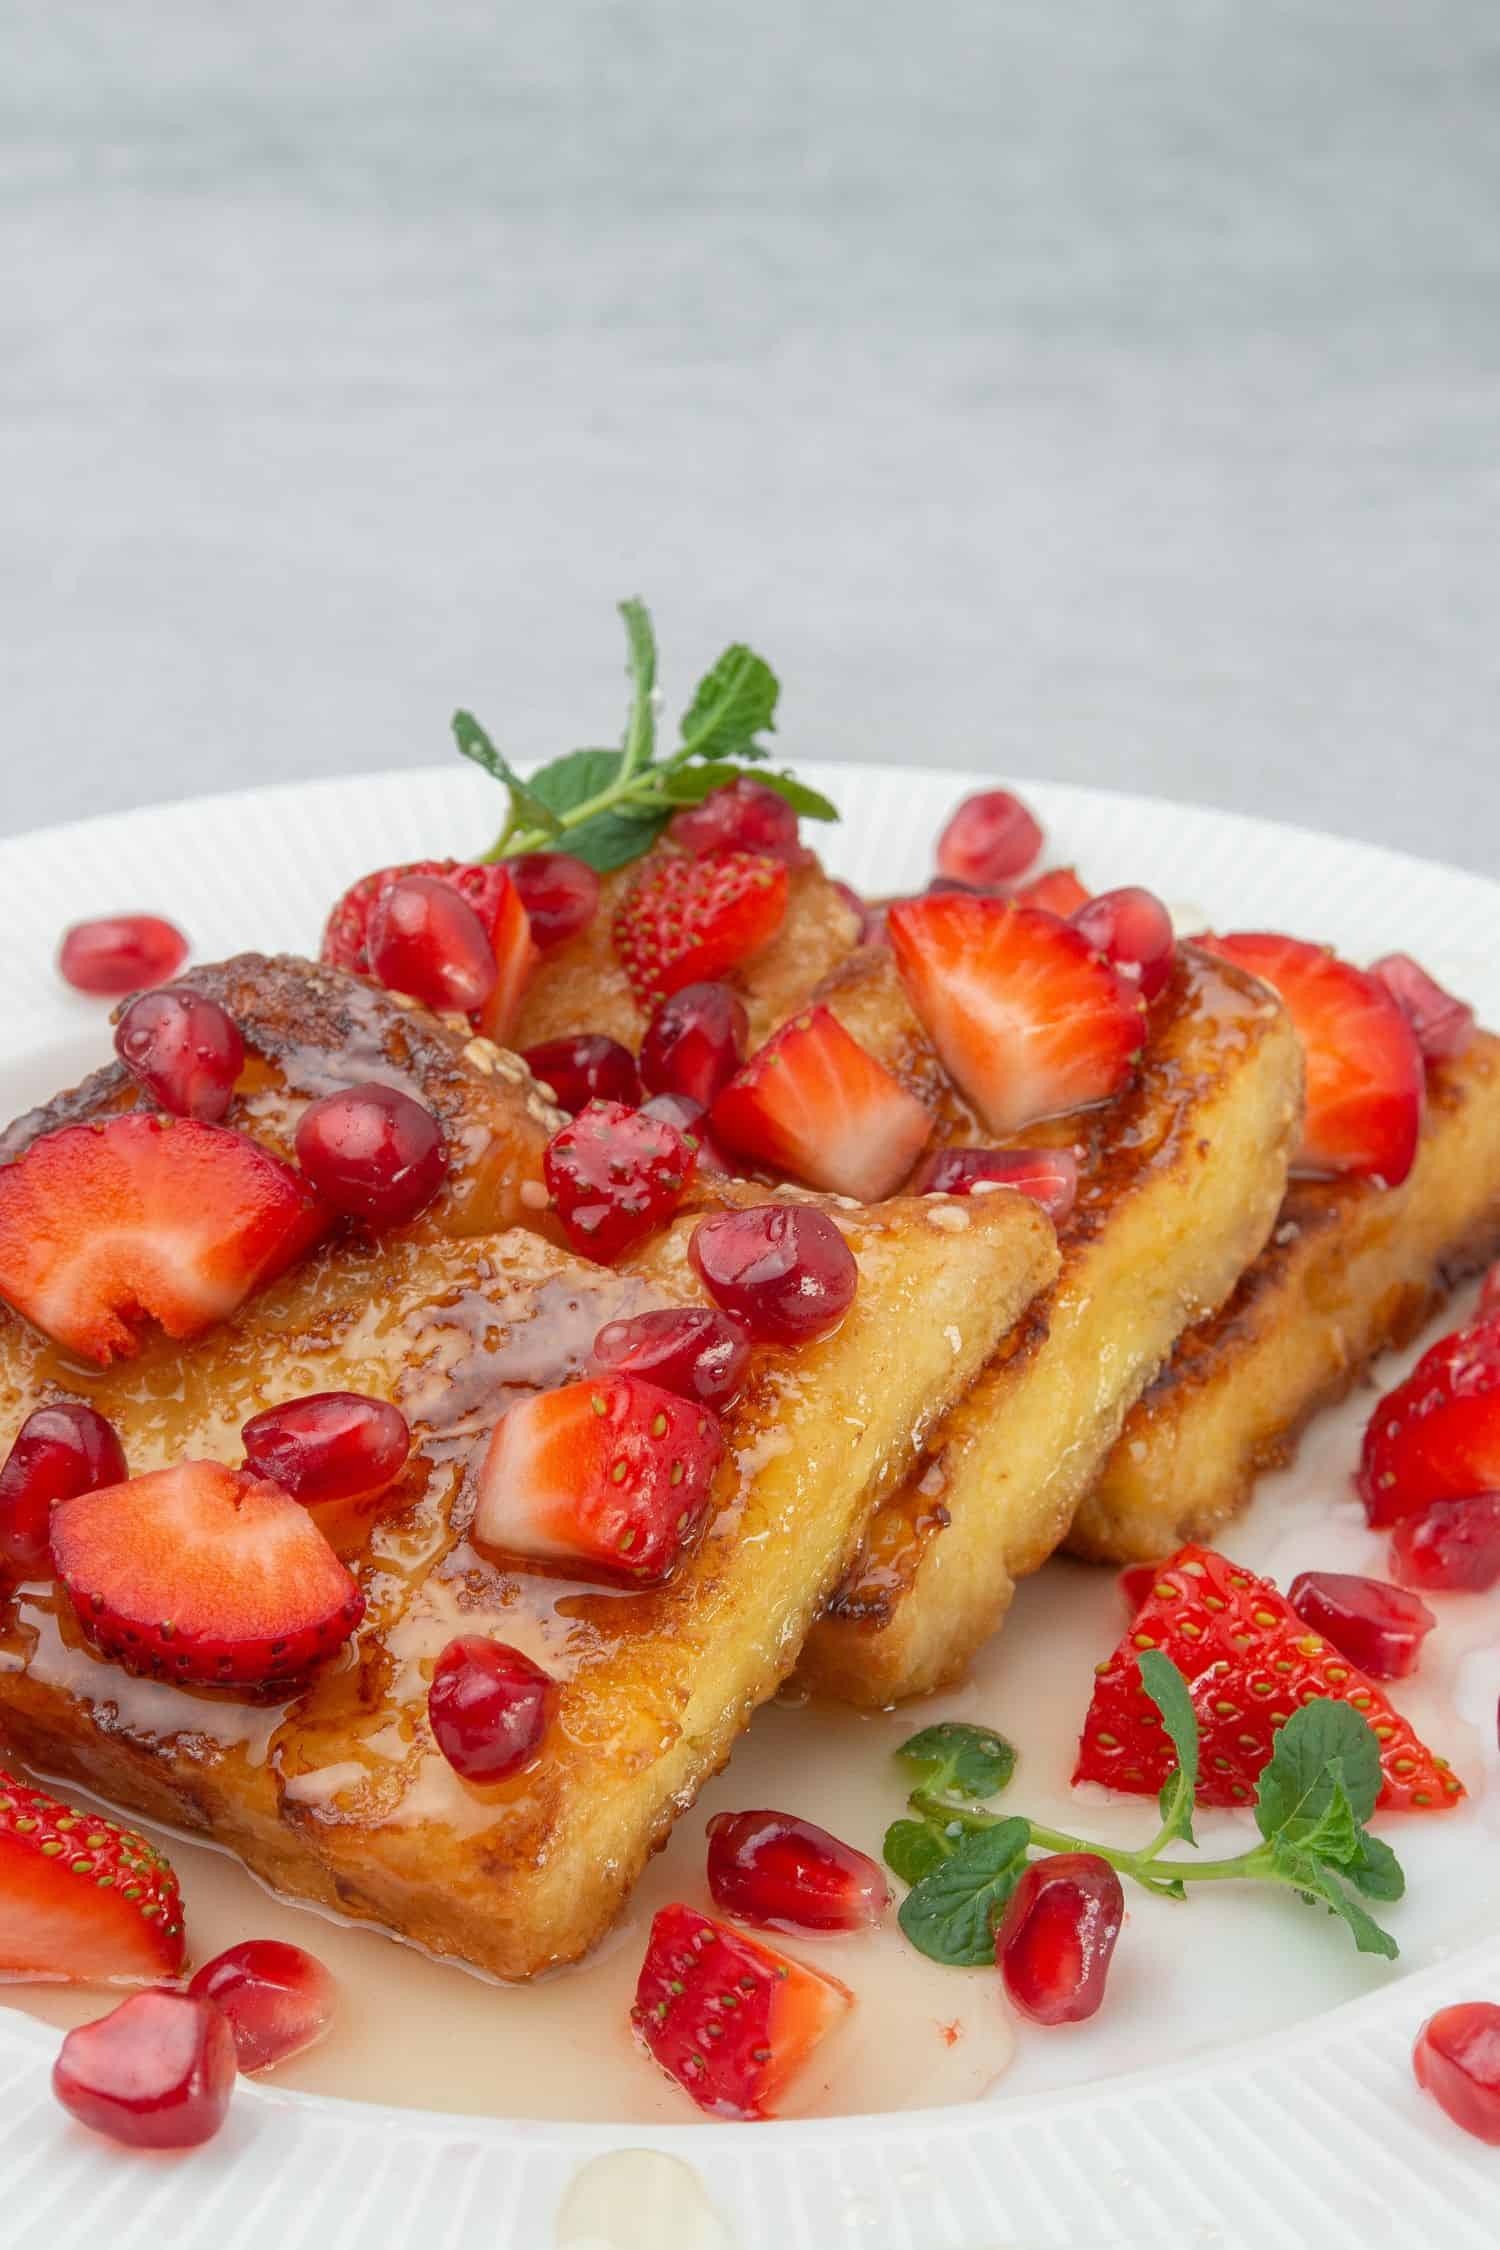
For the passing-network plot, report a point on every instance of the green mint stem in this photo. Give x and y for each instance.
(627, 788)
(1145, 1867)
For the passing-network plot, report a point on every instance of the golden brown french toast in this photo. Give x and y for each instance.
(1352, 1269)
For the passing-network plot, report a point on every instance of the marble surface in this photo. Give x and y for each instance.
(1107, 392)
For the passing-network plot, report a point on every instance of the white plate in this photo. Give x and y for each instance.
(1249, 2082)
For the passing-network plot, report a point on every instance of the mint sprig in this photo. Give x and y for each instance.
(1314, 1798)
(609, 806)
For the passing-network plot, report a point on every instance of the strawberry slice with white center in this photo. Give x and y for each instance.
(82, 1901)
(516, 957)
(1365, 1079)
(139, 1217)
(1026, 1017)
(204, 1575)
(610, 1478)
(815, 1103)
(685, 921)
(729, 2019)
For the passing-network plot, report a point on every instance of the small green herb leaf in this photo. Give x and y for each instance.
(1168, 1690)
(527, 803)
(612, 839)
(1320, 1885)
(689, 785)
(1323, 1745)
(1375, 1869)
(571, 781)
(951, 1914)
(734, 703)
(640, 730)
(913, 1848)
(972, 1761)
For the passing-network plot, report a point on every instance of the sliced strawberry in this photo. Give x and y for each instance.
(615, 1176)
(1365, 1081)
(686, 921)
(1437, 1435)
(1059, 891)
(103, 1226)
(1489, 1295)
(346, 936)
(609, 1477)
(204, 1575)
(1443, 1024)
(1024, 1014)
(729, 2019)
(82, 1901)
(516, 957)
(1249, 1661)
(813, 1102)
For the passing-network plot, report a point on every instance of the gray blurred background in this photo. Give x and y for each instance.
(1104, 390)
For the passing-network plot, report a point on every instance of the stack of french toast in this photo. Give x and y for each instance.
(769, 1282)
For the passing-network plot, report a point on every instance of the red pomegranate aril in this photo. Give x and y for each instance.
(373, 1153)
(991, 838)
(695, 1042)
(1452, 1547)
(1048, 1175)
(331, 1445)
(585, 1069)
(59, 1451)
(784, 1271)
(1457, 2061)
(560, 894)
(157, 2072)
(1133, 930)
(184, 1049)
(743, 816)
(488, 1706)
(781, 1873)
(427, 940)
(1057, 1935)
(120, 953)
(691, 1350)
(1443, 1024)
(691, 1118)
(1380, 1628)
(277, 2000)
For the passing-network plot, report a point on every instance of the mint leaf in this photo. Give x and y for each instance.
(640, 731)
(574, 779)
(913, 1848)
(733, 704)
(1375, 1869)
(951, 1914)
(1323, 1745)
(974, 1761)
(526, 801)
(689, 785)
(612, 839)
(1168, 1690)
(810, 803)
(1335, 1835)
(1320, 1886)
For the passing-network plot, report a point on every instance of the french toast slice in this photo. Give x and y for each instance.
(1180, 1180)
(1352, 1269)
(339, 1795)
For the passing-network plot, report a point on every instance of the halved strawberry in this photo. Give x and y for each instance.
(1059, 891)
(103, 1226)
(1024, 1014)
(203, 1575)
(82, 1901)
(610, 1476)
(813, 1102)
(615, 1176)
(1248, 1661)
(1365, 1082)
(685, 921)
(346, 935)
(1437, 1435)
(516, 957)
(728, 2018)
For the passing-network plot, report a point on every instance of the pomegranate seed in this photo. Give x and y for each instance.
(1442, 1024)
(332, 1445)
(692, 1350)
(560, 894)
(489, 1706)
(373, 1152)
(119, 953)
(1452, 1547)
(695, 1042)
(785, 1271)
(743, 816)
(1048, 1175)
(615, 1176)
(1057, 1935)
(184, 1049)
(1133, 930)
(426, 939)
(276, 1999)
(1457, 2061)
(59, 1452)
(1378, 1627)
(781, 1873)
(689, 1118)
(157, 2072)
(991, 838)
(585, 1069)
(1136, 1582)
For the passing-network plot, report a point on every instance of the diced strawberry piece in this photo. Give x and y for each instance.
(346, 937)
(1136, 1582)
(203, 1575)
(1248, 1661)
(1452, 1547)
(1048, 1175)
(1443, 1025)
(687, 920)
(1133, 930)
(120, 953)
(156, 2072)
(782, 1873)
(1457, 2061)
(728, 2019)
(1058, 890)
(742, 816)
(59, 1450)
(277, 2000)
(1024, 1014)
(992, 838)
(82, 1900)
(1057, 1936)
(615, 1176)
(1365, 1082)
(610, 1476)
(516, 957)
(813, 1102)
(1378, 1627)
(1437, 1435)
(103, 1226)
